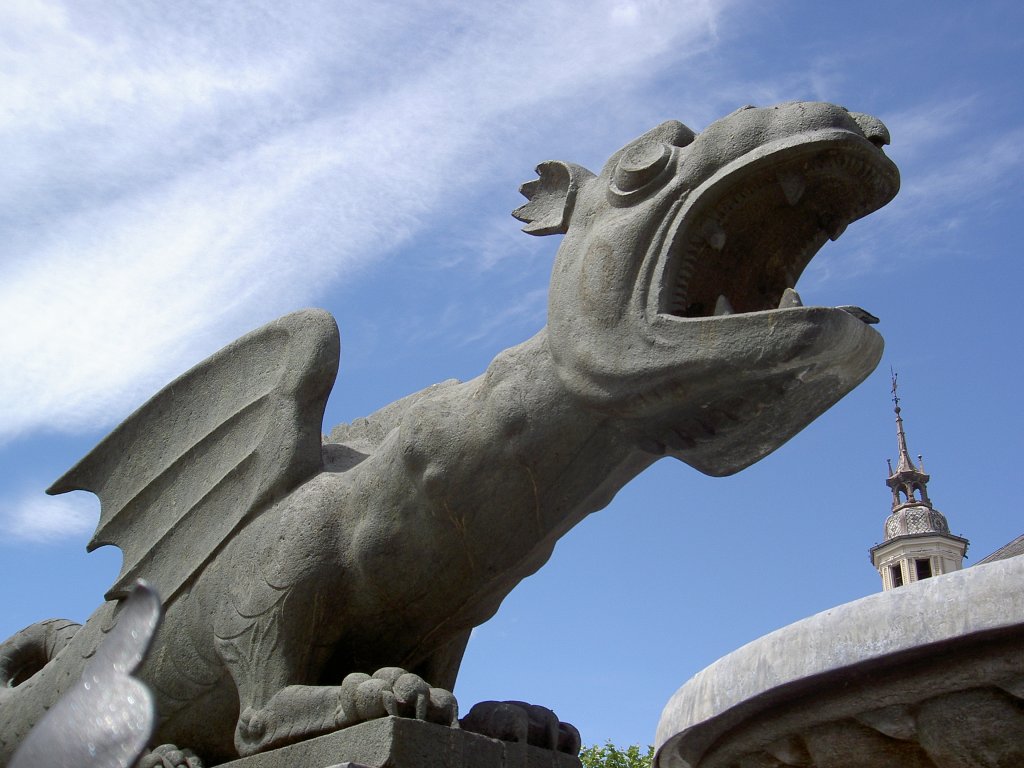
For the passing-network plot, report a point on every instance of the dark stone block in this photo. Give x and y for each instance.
(397, 742)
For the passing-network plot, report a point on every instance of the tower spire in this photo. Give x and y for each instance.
(917, 543)
(903, 463)
(909, 484)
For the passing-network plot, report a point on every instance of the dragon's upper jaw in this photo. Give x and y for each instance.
(740, 242)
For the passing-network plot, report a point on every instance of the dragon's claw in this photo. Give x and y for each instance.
(518, 721)
(393, 691)
(169, 756)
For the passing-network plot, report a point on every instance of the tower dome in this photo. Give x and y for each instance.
(915, 518)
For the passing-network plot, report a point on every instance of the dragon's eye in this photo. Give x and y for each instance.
(639, 166)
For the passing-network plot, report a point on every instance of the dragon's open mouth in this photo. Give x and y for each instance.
(742, 240)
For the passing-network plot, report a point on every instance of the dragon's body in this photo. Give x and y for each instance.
(286, 564)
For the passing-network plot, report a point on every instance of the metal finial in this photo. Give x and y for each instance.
(904, 462)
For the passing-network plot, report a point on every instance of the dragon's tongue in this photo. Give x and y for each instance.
(861, 314)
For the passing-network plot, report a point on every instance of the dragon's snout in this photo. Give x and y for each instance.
(874, 130)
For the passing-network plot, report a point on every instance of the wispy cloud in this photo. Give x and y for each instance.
(955, 165)
(174, 177)
(923, 128)
(38, 518)
(973, 171)
(529, 312)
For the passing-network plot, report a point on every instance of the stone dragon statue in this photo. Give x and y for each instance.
(312, 583)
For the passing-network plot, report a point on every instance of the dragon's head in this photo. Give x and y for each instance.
(672, 305)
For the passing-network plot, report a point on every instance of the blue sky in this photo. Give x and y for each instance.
(177, 174)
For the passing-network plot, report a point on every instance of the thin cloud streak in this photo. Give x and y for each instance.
(941, 189)
(164, 190)
(37, 518)
(977, 173)
(530, 311)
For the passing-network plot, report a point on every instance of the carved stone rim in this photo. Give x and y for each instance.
(860, 646)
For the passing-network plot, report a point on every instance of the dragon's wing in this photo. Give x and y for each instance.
(210, 450)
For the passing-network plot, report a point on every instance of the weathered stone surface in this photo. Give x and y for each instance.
(287, 566)
(393, 742)
(928, 675)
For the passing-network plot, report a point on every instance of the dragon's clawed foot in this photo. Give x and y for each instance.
(295, 712)
(521, 722)
(393, 691)
(299, 712)
(169, 756)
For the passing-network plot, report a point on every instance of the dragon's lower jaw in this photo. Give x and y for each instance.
(751, 382)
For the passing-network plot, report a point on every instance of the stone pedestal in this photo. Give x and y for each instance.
(395, 742)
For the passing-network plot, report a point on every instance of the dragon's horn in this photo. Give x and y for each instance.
(551, 197)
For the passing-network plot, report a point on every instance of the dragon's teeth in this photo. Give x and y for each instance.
(833, 228)
(714, 234)
(793, 185)
(722, 306)
(790, 298)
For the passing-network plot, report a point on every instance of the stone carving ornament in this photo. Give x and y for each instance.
(310, 584)
(929, 675)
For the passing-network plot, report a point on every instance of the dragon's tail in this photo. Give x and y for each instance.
(28, 651)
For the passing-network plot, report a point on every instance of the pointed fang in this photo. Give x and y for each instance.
(790, 299)
(715, 235)
(793, 185)
(833, 227)
(723, 307)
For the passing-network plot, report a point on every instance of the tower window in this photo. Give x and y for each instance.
(896, 574)
(924, 569)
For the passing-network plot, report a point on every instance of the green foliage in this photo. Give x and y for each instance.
(610, 756)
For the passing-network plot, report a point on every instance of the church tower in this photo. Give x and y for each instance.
(918, 544)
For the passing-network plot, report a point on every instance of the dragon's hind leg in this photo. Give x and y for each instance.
(296, 712)
(271, 664)
(265, 644)
(293, 713)
(270, 658)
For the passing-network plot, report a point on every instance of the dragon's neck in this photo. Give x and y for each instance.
(483, 477)
(515, 456)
